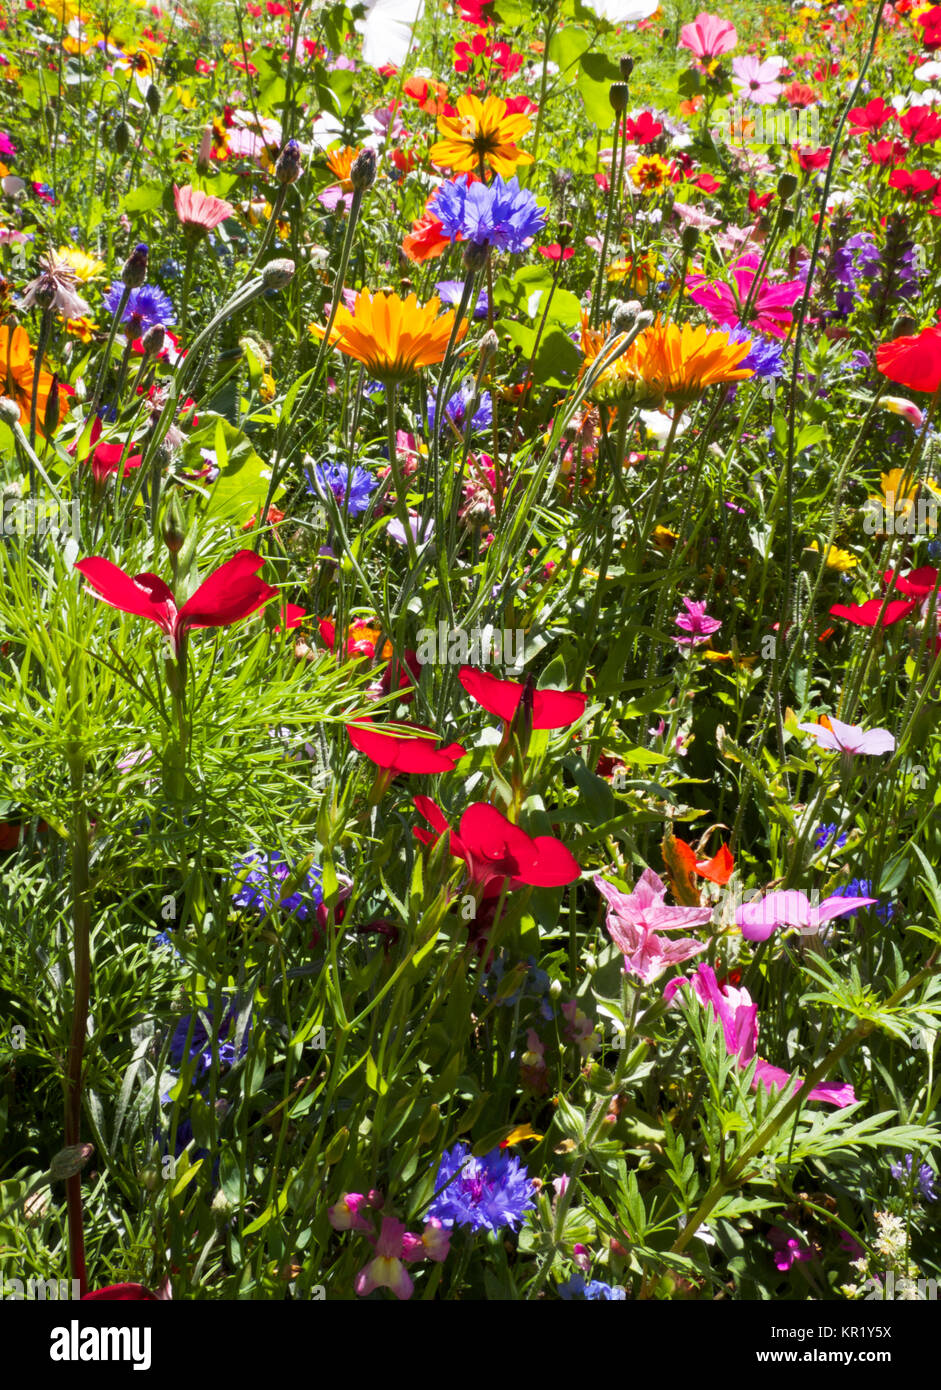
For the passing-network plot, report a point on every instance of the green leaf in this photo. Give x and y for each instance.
(143, 199)
(595, 75)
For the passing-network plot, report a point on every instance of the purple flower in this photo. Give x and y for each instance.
(206, 1042)
(825, 833)
(147, 303)
(486, 1193)
(791, 908)
(457, 406)
(925, 1177)
(352, 487)
(635, 919)
(765, 358)
(697, 623)
(450, 292)
(788, 1250)
(859, 888)
(497, 214)
(261, 887)
(592, 1290)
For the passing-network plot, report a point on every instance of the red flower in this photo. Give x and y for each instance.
(756, 204)
(520, 106)
(552, 709)
(400, 754)
(921, 125)
(231, 593)
(495, 850)
(867, 614)
(888, 152)
(644, 130)
(718, 869)
(426, 240)
(913, 362)
(135, 1293)
(920, 183)
(465, 53)
(916, 584)
(554, 252)
(472, 12)
(707, 183)
(812, 159)
(799, 94)
(930, 21)
(873, 116)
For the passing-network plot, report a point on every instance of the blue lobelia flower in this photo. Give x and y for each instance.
(202, 1047)
(498, 214)
(262, 886)
(486, 1193)
(352, 488)
(592, 1290)
(147, 303)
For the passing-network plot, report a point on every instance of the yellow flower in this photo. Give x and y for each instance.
(85, 266)
(185, 97)
(650, 173)
(481, 134)
(837, 559)
(339, 162)
(82, 328)
(638, 269)
(667, 361)
(267, 388)
(392, 337)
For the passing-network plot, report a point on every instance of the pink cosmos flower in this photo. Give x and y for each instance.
(634, 920)
(739, 1018)
(790, 908)
(386, 1270)
(838, 737)
(7, 147)
(757, 81)
(708, 36)
(770, 305)
(200, 211)
(697, 623)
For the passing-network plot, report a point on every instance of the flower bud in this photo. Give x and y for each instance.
(624, 316)
(903, 327)
(135, 267)
(618, 95)
(689, 240)
(337, 1146)
(122, 136)
(287, 167)
(489, 345)
(152, 98)
(363, 170)
(626, 64)
(9, 411)
(153, 340)
(476, 255)
(68, 1162)
(277, 274)
(174, 525)
(204, 153)
(565, 233)
(50, 421)
(787, 186)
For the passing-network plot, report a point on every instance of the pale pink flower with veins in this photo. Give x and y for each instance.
(849, 738)
(708, 36)
(634, 920)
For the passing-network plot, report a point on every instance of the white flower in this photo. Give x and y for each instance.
(928, 71)
(623, 11)
(387, 30)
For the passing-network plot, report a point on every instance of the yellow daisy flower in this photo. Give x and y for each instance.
(85, 267)
(481, 134)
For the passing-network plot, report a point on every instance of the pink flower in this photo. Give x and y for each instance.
(791, 908)
(739, 1018)
(708, 36)
(770, 305)
(788, 1250)
(697, 623)
(434, 1243)
(849, 738)
(634, 920)
(345, 1214)
(757, 81)
(386, 1270)
(201, 211)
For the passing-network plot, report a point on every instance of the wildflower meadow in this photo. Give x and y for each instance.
(470, 653)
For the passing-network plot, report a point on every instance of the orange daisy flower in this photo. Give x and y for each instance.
(339, 162)
(650, 173)
(481, 133)
(392, 337)
(667, 361)
(17, 372)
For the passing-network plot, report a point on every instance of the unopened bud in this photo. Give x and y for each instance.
(135, 267)
(430, 1125)
(9, 411)
(476, 255)
(489, 345)
(287, 167)
(363, 170)
(221, 1207)
(689, 240)
(337, 1146)
(903, 327)
(153, 340)
(122, 136)
(277, 274)
(624, 316)
(50, 421)
(174, 525)
(204, 153)
(68, 1162)
(565, 233)
(626, 64)
(152, 99)
(618, 95)
(787, 186)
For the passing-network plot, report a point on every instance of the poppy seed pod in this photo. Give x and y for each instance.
(618, 95)
(277, 274)
(135, 267)
(626, 64)
(122, 136)
(787, 186)
(363, 170)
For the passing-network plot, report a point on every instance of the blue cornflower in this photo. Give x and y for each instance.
(147, 303)
(859, 888)
(450, 292)
(593, 1290)
(457, 406)
(262, 886)
(484, 1193)
(765, 358)
(202, 1048)
(339, 479)
(497, 214)
(825, 833)
(925, 1180)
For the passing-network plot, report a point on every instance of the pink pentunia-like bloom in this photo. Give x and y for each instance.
(708, 36)
(739, 1018)
(697, 623)
(757, 81)
(202, 211)
(790, 908)
(635, 919)
(770, 305)
(850, 738)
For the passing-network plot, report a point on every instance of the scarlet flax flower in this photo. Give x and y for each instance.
(914, 362)
(497, 852)
(394, 748)
(552, 709)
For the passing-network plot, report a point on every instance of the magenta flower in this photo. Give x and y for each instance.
(755, 80)
(697, 623)
(708, 36)
(386, 1270)
(791, 908)
(788, 1250)
(739, 1018)
(635, 919)
(770, 305)
(838, 737)
(345, 1215)
(434, 1243)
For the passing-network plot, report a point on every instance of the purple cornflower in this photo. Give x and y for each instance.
(484, 1193)
(859, 888)
(450, 292)
(457, 406)
(697, 623)
(497, 214)
(202, 1045)
(825, 833)
(592, 1290)
(352, 488)
(262, 886)
(147, 303)
(925, 1179)
(765, 358)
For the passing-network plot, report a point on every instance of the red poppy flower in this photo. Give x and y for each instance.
(495, 850)
(707, 183)
(873, 116)
(867, 614)
(916, 584)
(919, 183)
(395, 753)
(128, 1293)
(756, 204)
(921, 125)
(913, 362)
(426, 240)
(813, 159)
(644, 130)
(555, 252)
(466, 53)
(474, 12)
(552, 709)
(231, 593)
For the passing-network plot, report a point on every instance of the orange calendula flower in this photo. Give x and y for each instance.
(482, 133)
(667, 361)
(17, 373)
(339, 162)
(392, 337)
